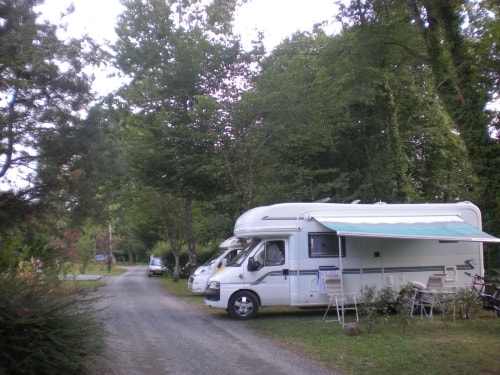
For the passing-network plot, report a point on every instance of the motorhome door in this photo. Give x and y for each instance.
(269, 269)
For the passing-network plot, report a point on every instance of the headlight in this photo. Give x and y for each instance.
(213, 285)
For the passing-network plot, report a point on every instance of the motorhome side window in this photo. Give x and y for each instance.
(272, 254)
(323, 245)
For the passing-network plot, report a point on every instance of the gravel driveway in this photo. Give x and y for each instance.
(156, 333)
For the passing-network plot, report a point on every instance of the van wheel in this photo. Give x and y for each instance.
(243, 305)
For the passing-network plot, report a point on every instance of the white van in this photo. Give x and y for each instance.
(226, 252)
(364, 244)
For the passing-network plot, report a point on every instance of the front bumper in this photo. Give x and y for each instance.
(212, 295)
(197, 284)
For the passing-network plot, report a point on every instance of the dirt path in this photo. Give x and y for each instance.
(156, 333)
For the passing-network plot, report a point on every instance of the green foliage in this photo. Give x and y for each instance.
(358, 115)
(160, 249)
(44, 88)
(46, 327)
(178, 111)
(368, 305)
(375, 303)
(10, 251)
(405, 303)
(352, 117)
(85, 249)
(467, 302)
(463, 57)
(187, 69)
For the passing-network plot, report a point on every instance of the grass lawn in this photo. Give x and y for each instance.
(93, 269)
(393, 346)
(97, 268)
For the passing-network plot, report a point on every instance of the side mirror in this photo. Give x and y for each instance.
(253, 265)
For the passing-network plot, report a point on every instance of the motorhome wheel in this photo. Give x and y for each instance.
(243, 305)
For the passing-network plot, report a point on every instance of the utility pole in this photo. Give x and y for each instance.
(110, 255)
(110, 239)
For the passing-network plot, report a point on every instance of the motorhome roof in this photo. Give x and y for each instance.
(299, 210)
(230, 242)
(442, 221)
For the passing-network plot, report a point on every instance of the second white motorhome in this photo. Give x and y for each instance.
(225, 254)
(365, 244)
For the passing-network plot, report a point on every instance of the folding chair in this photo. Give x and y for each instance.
(333, 287)
(429, 297)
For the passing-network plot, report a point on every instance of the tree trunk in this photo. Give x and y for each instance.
(191, 241)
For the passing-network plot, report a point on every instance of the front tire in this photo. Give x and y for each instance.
(243, 305)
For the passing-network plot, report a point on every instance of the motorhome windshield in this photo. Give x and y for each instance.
(240, 258)
(214, 257)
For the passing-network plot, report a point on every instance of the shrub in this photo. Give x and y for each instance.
(405, 303)
(467, 302)
(46, 326)
(377, 303)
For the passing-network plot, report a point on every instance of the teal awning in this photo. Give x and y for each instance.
(444, 228)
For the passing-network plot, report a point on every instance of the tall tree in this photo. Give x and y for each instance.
(465, 79)
(382, 53)
(282, 128)
(351, 117)
(461, 38)
(184, 61)
(43, 88)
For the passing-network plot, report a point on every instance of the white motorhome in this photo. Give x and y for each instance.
(365, 244)
(226, 252)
